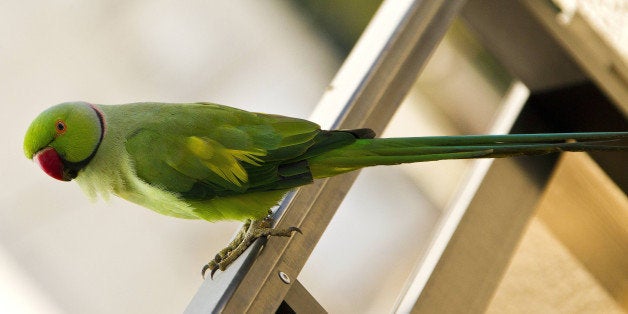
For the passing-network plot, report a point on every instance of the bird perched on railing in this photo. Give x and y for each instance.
(213, 162)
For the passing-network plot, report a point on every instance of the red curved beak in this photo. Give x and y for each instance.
(49, 161)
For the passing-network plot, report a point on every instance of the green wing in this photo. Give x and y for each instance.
(227, 163)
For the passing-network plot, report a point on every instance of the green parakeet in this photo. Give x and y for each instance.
(213, 162)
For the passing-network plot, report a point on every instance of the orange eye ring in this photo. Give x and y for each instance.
(60, 127)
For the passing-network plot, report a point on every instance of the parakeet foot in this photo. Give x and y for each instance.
(251, 230)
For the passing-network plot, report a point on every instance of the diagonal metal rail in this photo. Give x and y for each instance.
(365, 93)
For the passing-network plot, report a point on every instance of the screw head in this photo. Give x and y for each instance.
(284, 277)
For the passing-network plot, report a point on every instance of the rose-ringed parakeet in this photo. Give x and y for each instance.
(213, 162)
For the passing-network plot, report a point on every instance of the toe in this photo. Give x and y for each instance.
(205, 268)
(211, 275)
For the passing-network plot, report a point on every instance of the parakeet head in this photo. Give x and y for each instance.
(64, 138)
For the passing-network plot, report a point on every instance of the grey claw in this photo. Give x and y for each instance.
(211, 275)
(205, 268)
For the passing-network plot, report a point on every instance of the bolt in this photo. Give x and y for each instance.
(284, 277)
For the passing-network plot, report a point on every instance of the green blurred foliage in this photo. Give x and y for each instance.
(342, 20)
(465, 42)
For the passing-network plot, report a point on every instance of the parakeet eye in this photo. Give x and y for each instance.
(60, 126)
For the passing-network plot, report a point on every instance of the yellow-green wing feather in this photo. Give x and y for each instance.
(226, 163)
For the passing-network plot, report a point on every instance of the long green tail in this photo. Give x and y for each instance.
(391, 151)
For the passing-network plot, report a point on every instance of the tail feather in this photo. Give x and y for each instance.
(391, 151)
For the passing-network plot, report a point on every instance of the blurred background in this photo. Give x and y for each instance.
(62, 253)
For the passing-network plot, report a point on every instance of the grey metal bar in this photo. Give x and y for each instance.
(481, 228)
(466, 198)
(367, 90)
(301, 301)
(478, 253)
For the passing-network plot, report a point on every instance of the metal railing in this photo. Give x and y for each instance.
(366, 92)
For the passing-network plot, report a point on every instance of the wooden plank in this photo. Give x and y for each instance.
(588, 213)
(545, 277)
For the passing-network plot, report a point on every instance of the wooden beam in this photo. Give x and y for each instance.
(588, 213)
